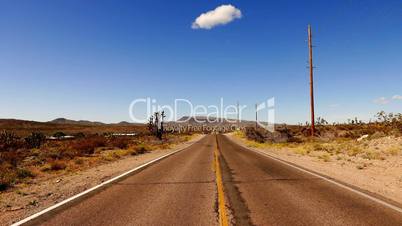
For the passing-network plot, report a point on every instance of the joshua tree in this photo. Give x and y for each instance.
(155, 124)
(151, 124)
(382, 116)
(321, 121)
(161, 129)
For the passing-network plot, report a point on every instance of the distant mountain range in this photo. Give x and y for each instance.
(75, 122)
(61, 121)
(90, 123)
(193, 120)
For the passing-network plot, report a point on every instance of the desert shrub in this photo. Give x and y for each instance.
(325, 157)
(108, 156)
(116, 154)
(24, 173)
(120, 153)
(353, 151)
(35, 140)
(57, 165)
(253, 134)
(9, 175)
(377, 134)
(10, 157)
(7, 178)
(9, 141)
(3, 184)
(164, 146)
(79, 161)
(57, 153)
(53, 152)
(372, 155)
(119, 142)
(302, 151)
(396, 132)
(318, 147)
(87, 146)
(239, 133)
(280, 136)
(79, 135)
(140, 149)
(305, 131)
(394, 150)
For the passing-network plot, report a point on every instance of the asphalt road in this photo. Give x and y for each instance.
(182, 190)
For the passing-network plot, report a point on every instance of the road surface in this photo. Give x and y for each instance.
(216, 177)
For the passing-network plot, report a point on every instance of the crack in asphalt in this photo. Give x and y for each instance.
(237, 204)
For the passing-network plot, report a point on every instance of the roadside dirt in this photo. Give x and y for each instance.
(28, 199)
(380, 176)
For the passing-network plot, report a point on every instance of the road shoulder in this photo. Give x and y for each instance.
(37, 197)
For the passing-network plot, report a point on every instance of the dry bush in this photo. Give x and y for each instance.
(394, 150)
(16, 160)
(141, 149)
(10, 175)
(9, 141)
(281, 135)
(253, 134)
(371, 155)
(10, 157)
(24, 128)
(24, 173)
(325, 157)
(35, 140)
(88, 145)
(354, 150)
(54, 166)
(79, 161)
(7, 176)
(119, 142)
(57, 165)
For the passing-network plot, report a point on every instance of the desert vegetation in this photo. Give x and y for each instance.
(23, 158)
(23, 128)
(353, 141)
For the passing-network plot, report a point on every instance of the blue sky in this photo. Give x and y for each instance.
(90, 59)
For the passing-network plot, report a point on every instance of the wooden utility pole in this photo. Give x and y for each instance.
(310, 47)
(256, 117)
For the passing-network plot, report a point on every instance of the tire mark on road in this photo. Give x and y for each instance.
(238, 206)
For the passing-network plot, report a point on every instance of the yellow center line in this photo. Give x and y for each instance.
(223, 221)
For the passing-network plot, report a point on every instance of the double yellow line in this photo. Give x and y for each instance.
(223, 220)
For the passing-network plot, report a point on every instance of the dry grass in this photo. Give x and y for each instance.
(337, 149)
(24, 128)
(18, 162)
(394, 150)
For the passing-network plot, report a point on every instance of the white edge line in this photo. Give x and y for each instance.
(396, 208)
(23, 221)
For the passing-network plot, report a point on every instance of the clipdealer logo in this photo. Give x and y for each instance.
(141, 109)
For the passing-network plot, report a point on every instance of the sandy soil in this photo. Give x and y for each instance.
(380, 176)
(28, 199)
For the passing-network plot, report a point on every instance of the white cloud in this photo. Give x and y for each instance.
(221, 15)
(397, 97)
(381, 100)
